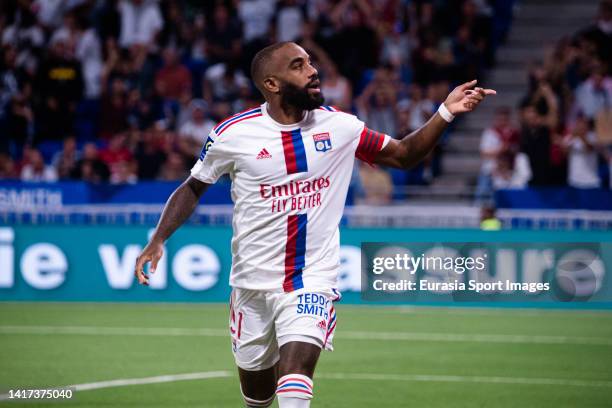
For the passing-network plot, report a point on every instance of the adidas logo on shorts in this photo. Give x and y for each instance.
(322, 324)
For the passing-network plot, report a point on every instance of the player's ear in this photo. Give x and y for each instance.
(271, 84)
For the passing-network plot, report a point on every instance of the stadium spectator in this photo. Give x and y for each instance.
(27, 37)
(595, 94)
(255, 16)
(500, 138)
(49, 13)
(173, 168)
(376, 185)
(34, 168)
(8, 168)
(195, 131)
(468, 57)
(17, 119)
(114, 110)
(600, 34)
(124, 172)
(65, 161)
(173, 79)
(89, 53)
(224, 87)
(290, 17)
(376, 105)
(419, 106)
(336, 88)
(433, 58)
(90, 168)
(536, 143)
(583, 155)
(488, 219)
(149, 155)
(397, 48)
(223, 36)
(141, 22)
(116, 152)
(60, 87)
(512, 171)
(356, 25)
(475, 22)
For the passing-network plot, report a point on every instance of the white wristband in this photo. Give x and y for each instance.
(445, 113)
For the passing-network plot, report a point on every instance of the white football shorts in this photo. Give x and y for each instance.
(261, 322)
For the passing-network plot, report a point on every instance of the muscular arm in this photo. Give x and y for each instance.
(179, 207)
(414, 147)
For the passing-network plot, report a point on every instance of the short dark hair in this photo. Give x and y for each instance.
(260, 60)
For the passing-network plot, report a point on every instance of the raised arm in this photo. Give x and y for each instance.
(413, 148)
(177, 210)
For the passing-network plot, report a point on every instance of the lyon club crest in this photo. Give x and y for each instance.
(322, 142)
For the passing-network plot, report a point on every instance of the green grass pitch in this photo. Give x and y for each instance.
(384, 356)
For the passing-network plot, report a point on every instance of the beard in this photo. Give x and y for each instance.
(295, 97)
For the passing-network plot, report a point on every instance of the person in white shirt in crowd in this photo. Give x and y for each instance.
(337, 88)
(141, 21)
(193, 133)
(255, 16)
(290, 17)
(27, 37)
(594, 94)
(35, 169)
(499, 138)
(512, 171)
(583, 158)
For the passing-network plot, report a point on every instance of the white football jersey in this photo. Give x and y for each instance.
(289, 186)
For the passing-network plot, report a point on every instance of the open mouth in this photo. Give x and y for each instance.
(315, 86)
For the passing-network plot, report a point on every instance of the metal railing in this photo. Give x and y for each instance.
(395, 216)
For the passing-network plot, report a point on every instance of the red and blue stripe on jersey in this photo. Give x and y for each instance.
(295, 252)
(239, 117)
(295, 153)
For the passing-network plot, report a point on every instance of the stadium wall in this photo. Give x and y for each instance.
(95, 263)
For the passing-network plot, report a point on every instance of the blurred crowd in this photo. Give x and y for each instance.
(127, 90)
(565, 132)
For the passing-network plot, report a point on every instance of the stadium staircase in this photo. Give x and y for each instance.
(537, 25)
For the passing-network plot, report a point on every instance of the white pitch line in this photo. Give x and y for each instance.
(464, 379)
(341, 376)
(347, 335)
(151, 380)
(113, 331)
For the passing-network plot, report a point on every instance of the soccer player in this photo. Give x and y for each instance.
(290, 161)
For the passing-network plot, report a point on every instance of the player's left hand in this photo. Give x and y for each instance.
(464, 99)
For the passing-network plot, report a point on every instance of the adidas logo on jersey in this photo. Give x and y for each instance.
(264, 154)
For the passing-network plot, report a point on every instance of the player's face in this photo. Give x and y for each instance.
(299, 80)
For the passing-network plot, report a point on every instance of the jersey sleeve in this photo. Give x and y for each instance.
(367, 142)
(215, 160)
